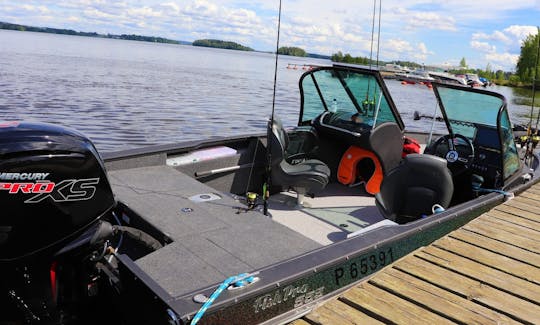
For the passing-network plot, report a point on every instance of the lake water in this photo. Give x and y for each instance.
(127, 94)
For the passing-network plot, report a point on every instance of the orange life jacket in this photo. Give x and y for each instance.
(347, 171)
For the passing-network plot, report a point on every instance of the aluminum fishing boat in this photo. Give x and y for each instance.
(245, 230)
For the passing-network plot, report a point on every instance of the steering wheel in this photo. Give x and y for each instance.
(459, 159)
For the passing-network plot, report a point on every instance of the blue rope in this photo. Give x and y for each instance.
(489, 190)
(238, 280)
(507, 195)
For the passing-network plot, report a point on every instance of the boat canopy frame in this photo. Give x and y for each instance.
(375, 87)
(509, 157)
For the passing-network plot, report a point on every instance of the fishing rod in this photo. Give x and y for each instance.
(368, 105)
(266, 185)
(379, 33)
(378, 51)
(371, 50)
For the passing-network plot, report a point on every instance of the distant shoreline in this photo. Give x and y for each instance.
(131, 37)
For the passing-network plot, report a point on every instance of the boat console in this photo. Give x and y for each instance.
(488, 158)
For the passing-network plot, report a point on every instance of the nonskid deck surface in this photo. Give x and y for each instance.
(217, 238)
(211, 240)
(331, 216)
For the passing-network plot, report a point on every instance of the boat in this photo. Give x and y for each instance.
(248, 229)
(473, 80)
(416, 76)
(445, 77)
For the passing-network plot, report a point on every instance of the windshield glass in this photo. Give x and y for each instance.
(344, 91)
(483, 117)
(465, 108)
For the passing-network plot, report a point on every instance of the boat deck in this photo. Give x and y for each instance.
(487, 272)
(210, 240)
(212, 234)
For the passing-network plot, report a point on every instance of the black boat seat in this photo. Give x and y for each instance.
(410, 190)
(308, 176)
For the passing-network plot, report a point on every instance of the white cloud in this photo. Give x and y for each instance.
(503, 59)
(510, 39)
(397, 49)
(495, 36)
(424, 19)
(483, 46)
(97, 14)
(521, 32)
(37, 9)
(171, 6)
(143, 12)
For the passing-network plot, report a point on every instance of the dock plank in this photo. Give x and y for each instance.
(531, 195)
(481, 273)
(337, 312)
(440, 301)
(495, 246)
(520, 225)
(507, 228)
(504, 236)
(533, 225)
(496, 261)
(533, 189)
(525, 204)
(518, 212)
(394, 309)
(473, 290)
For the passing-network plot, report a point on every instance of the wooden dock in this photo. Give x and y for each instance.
(487, 272)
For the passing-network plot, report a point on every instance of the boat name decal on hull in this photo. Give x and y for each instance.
(301, 295)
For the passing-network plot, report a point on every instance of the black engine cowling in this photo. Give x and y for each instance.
(53, 186)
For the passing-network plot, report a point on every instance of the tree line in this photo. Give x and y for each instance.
(528, 65)
(18, 27)
(291, 50)
(221, 44)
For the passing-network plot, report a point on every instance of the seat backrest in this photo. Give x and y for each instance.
(411, 189)
(277, 140)
(386, 141)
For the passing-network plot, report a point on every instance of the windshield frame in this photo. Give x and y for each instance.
(508, 148)
(437, 85)
(343, 68)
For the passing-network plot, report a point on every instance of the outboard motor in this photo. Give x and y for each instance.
(53, 192)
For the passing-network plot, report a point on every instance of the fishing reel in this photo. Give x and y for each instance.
(252, 201)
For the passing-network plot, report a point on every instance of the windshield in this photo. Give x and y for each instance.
(464, 109)
(483, 117)
(347, 91)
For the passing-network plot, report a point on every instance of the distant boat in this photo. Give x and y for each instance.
(416, 76)
(446, 77)
(473, 80)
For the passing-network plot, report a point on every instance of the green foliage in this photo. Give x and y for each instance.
(409, 64)
(146, 39)
(347, 58)
(221, 44)
(294, 51)
(528, 58)
(91, 34)
(463, 63)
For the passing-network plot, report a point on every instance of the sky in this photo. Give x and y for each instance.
(440, 33)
